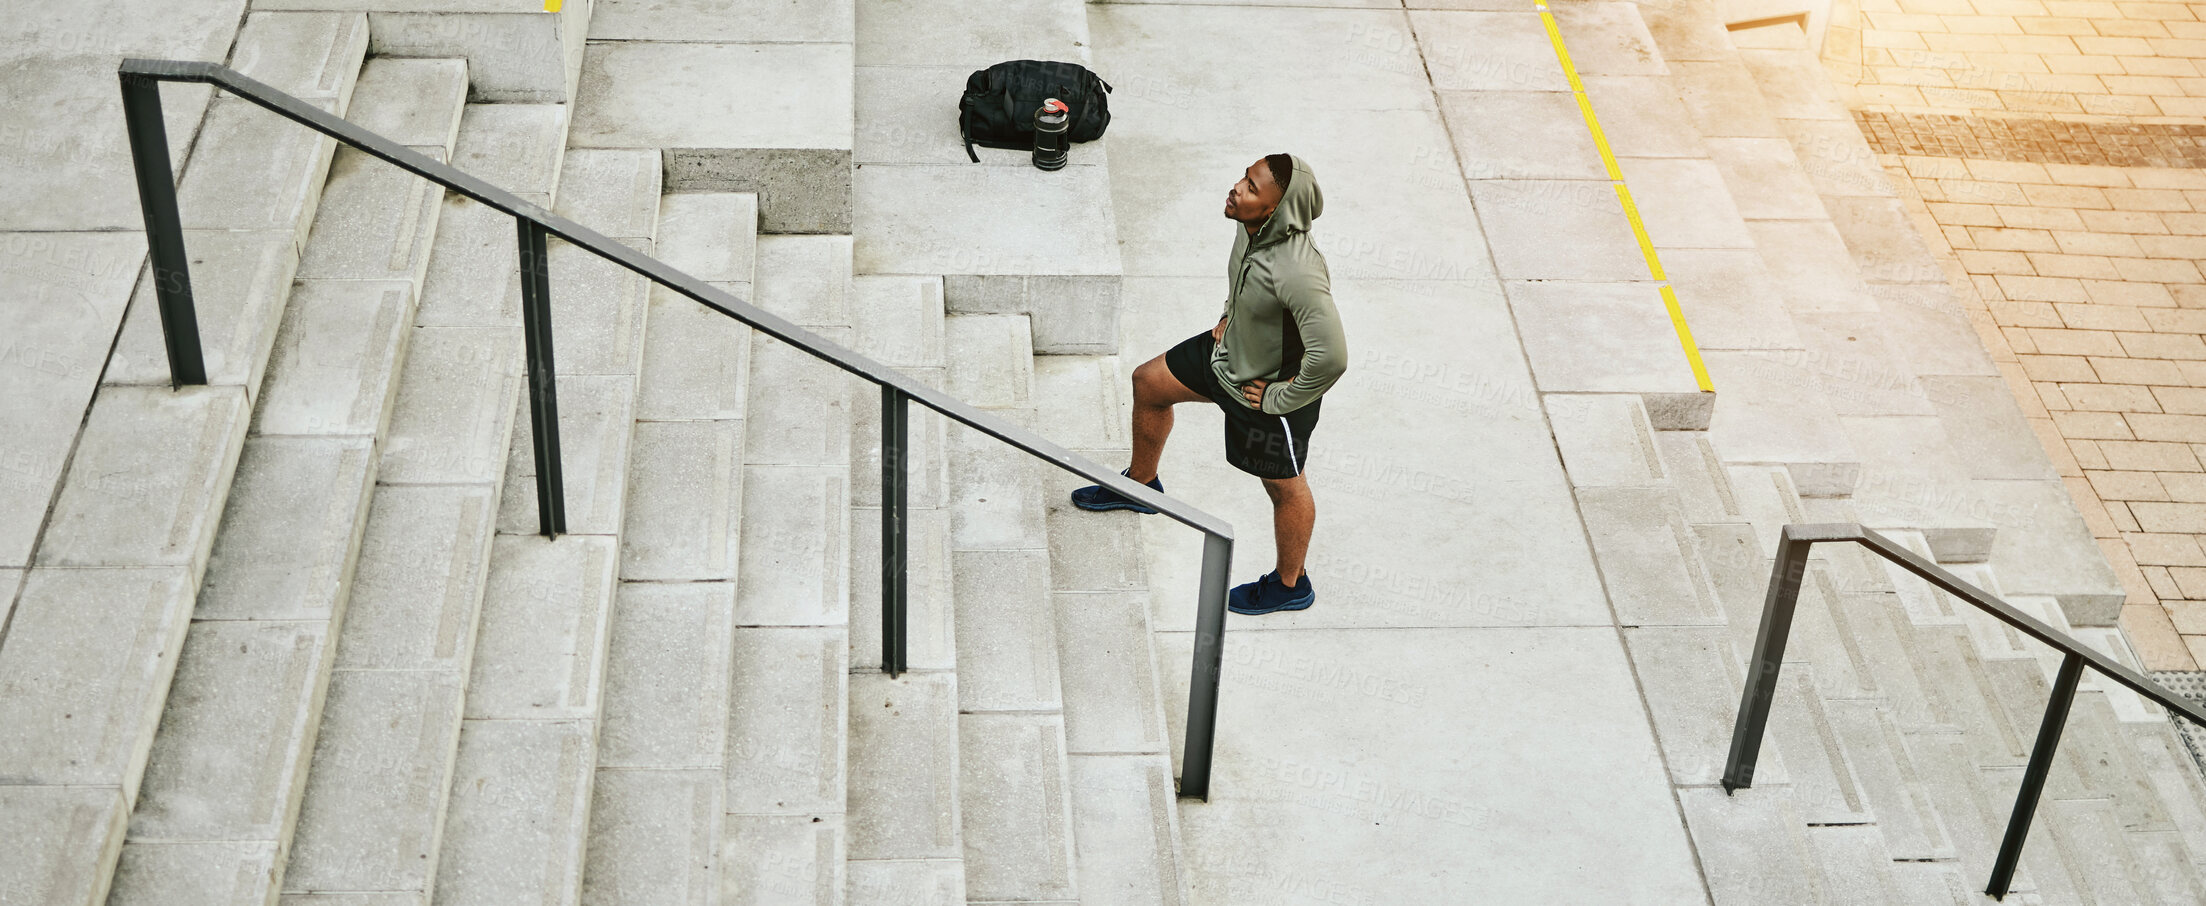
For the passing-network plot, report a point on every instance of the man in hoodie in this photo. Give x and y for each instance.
(1277, 348)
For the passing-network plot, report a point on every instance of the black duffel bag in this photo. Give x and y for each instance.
(997, 110)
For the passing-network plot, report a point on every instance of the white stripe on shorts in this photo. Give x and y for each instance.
(1290, 445)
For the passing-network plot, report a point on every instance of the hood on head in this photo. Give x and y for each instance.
(1302, 204)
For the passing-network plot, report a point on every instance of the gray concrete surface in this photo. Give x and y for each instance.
(1539, 574)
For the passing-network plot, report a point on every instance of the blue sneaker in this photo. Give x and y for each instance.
(1269, 595)
(1099, 498)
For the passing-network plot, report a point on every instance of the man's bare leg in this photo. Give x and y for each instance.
(1294, 515)
(1155, 392)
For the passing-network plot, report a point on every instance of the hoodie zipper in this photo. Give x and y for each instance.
(1239, 280)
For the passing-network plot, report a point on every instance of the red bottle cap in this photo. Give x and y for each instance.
(1054, 105)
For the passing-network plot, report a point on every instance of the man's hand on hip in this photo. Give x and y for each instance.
(1253, 391)
(1218, 333)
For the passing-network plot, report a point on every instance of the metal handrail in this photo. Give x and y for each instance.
(1769, 653)
(180, 330)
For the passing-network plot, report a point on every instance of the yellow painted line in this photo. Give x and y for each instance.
(551, 6)
(1600, 138)
(1624, 198)
(1685, 337)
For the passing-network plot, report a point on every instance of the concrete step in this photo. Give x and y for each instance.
(712, 236)
(906, 840)
(518, 821)
(697, 363)
(1126, 829)
(794, 559)
(669, 669)
(518, 814)
(1907, 824)
(901, 320)
(374, 800)
(898, 321)
(685, 476)
(408, 636)
(596, 421)
(995, 492)
(598, 307)
(788, 739)
(214, 820)
(1126, 826)
(517, 147)
(1019, 832)
(376, 221)
(69, 182)
(994, 355)
(474, 275)
(1007, 650)
(1691, 714)
(1900, 362)
(86, 666)
(1013, 774)
(1851, 865)
(786, 764)
(684, 487)
(661, 745)
(654, 836)
(906, 837)
(1753, 845)
(768, 118)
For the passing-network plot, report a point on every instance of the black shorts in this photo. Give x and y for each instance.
(1266, 446)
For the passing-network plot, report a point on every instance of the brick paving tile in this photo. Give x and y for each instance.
(2053, 154)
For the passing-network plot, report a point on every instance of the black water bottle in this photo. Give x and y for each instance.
(1051, 124)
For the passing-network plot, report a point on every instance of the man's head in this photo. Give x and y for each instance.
(1257, 195)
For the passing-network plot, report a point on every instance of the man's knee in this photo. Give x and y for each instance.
(1150, 388)
(1283, 489)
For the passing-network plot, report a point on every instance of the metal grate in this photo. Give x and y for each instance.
(2190, 684)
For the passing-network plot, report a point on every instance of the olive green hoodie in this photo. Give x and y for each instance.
(1274, 274)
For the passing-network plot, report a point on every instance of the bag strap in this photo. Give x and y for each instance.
(967, 135)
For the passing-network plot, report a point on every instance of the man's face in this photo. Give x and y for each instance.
(1255, 196)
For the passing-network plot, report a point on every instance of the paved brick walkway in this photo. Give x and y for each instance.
(2051, 152)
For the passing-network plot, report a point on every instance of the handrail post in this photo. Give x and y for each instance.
(895, 427)
(536, 333)
(149, 156)
(1202, 686)
(2033, 777)
(1769, 655)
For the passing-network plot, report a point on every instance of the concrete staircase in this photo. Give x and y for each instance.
(215, 819)
(140, 520)
(1904, 716)
(365, 553)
